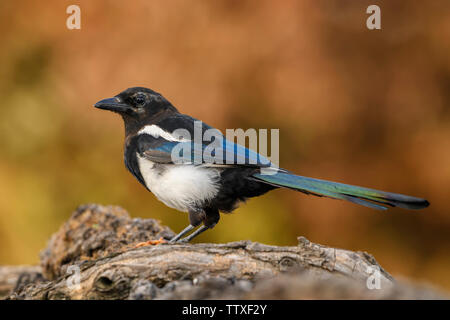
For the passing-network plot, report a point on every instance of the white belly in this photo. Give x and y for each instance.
(182, 187)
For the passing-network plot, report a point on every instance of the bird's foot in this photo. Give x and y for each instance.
(182, 233)
(187, 239)
(150, 243)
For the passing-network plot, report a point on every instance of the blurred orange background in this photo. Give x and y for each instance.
(363, 107)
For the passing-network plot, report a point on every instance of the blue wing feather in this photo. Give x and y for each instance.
(229, 153)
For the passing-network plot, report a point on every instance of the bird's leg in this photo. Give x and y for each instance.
(195, 218)
(212, 216)
(182, 233)
(203, 228)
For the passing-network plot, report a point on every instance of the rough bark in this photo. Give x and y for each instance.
(14, 277)
(94, 256)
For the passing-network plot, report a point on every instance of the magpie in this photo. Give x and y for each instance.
(201, 186)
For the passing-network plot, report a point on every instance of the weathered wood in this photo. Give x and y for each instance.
(13, 277)
(94, 256)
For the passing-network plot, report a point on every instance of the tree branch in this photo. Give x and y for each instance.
(94, 256)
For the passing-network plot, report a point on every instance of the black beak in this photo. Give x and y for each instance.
(112, 104)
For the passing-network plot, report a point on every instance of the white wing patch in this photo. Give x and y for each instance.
(157, 132)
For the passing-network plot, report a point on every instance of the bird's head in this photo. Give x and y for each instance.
(137, 105)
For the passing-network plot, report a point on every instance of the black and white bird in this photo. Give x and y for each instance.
(205, 188)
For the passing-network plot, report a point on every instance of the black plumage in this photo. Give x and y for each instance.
(204, 189)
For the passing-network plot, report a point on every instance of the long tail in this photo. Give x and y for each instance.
(335, 190)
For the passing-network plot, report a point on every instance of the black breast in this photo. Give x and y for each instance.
(130, 158)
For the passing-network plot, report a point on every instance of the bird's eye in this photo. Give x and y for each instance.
(139, 99)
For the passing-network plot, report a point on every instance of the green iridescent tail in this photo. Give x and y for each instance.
(335, 190)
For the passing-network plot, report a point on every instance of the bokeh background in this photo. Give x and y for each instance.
(363, 107)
